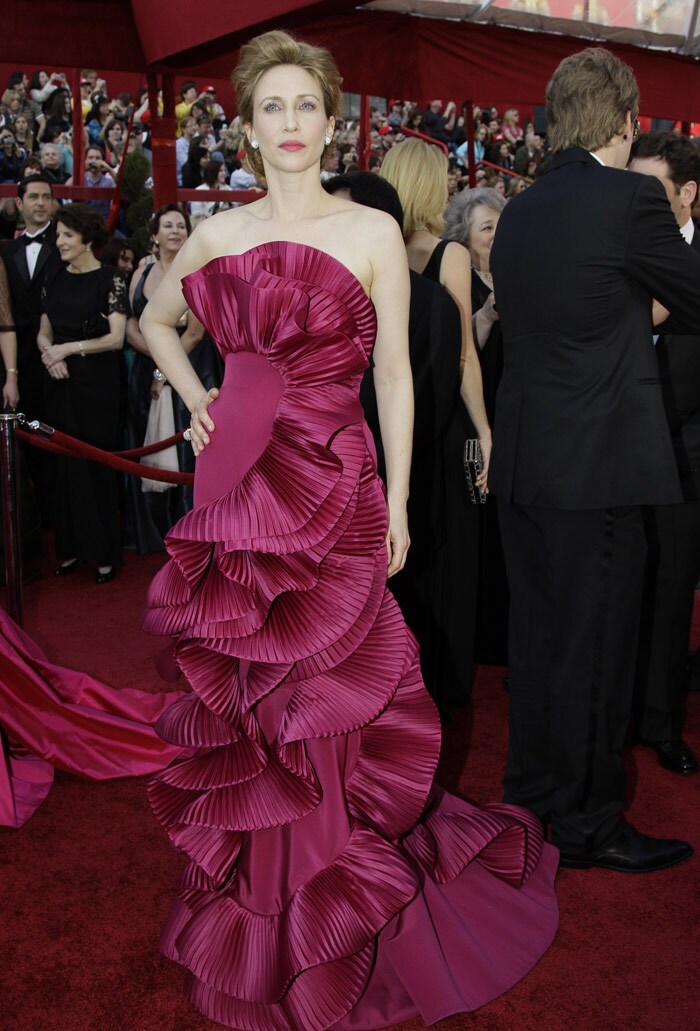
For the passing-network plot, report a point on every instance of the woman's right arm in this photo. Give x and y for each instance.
(157, 325)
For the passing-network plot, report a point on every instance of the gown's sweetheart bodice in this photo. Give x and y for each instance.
(319, 851)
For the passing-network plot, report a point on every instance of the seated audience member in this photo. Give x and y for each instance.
(30, 166)
(515, 186)
(437, 125)
(214, 108)
(115, 141)
(11, 159)
(396, 116)
(205, 133)
(52, 164)
(97, 118)
(530, 149)
(511, 130)
(672, 531)
(189, 97)
(97, 173)
(188, 130)
(193, 168)
(215, 176)
(43, 85)
(58, 116)
(23, 135)
(481, 139)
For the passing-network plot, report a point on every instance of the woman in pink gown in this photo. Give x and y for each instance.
(329, 883)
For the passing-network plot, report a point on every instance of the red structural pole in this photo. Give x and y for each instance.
(469, 132)
(78, 130)
(163, 141)
(364, 142)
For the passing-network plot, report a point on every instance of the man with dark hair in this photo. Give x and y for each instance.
(582, 443)
(673, 531)
(28, 260)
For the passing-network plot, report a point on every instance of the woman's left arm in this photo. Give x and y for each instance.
(392, 378)
(456, 277)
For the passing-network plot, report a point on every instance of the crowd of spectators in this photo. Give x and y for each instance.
(36, 134)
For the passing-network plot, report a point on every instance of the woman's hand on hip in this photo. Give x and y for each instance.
(201, 425)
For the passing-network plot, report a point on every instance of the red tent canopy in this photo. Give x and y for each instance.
(383, 53)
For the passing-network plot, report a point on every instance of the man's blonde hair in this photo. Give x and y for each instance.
(418, 173)
(588, 99)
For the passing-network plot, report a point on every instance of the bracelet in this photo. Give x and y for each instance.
(157, 374)
(16, 371)
(81, 348)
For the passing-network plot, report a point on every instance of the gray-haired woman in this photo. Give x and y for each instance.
(471, 220)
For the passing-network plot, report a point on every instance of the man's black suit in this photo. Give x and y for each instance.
(25, 291)
(673, 535)
(581, 443)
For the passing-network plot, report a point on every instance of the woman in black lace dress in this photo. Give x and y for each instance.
(83, 321)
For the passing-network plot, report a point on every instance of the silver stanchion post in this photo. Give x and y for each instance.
(10, 514)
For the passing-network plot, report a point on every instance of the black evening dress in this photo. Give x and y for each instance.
(150, 515)
(493, 595)
(436, 590)
(86, 406)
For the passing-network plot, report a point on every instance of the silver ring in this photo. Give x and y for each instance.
(187, 435)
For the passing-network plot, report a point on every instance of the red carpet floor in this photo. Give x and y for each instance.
(85, 885)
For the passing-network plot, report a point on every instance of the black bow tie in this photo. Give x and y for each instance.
(40, 238)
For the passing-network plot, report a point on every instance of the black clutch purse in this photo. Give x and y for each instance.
(95, 326)
(472, 470)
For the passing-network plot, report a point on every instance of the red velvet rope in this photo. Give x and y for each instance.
(151, 449)
(61, 444)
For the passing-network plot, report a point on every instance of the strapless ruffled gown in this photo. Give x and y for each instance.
(329, 883)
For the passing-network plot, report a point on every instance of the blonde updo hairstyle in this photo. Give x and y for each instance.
(268, 51)
(418, 173)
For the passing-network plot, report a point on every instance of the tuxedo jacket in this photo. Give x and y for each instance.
(576, 261)
(679, 370)
(26, 301)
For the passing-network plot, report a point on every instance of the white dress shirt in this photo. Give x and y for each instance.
(33, 249)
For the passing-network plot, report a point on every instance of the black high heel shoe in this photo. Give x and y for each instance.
(66, 568)
(104, 578)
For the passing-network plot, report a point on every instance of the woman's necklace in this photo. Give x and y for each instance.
(486, 276)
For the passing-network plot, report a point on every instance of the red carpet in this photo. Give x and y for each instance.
(85, 885)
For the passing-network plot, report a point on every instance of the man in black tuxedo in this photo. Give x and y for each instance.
(673, 531)
(582, 445)
(28, 260)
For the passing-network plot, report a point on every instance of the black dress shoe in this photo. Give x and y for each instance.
(630, 852)
(104, 578)
(66, 568)
(676, 755)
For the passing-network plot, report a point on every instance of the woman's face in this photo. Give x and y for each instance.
(43, 79)
(499, 186)
(172, 233)
(481, 233)
(21, 125)
(69, 242)
(126, 261)
(289, 119)
(481, 134)
(66, 105)
(222, 174)
(115, 133)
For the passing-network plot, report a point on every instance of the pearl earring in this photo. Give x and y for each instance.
(254, 144)
(327, 139)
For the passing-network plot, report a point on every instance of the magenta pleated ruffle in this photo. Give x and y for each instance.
(321, 859)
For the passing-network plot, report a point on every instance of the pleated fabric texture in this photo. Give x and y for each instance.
(328, 883)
